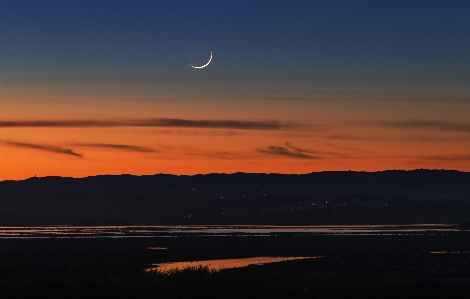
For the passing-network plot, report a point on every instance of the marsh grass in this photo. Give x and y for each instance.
(357, 267)
(362, 277)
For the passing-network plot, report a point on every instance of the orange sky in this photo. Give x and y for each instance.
(317, 130)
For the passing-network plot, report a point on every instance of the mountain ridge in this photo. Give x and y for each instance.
(418, 196)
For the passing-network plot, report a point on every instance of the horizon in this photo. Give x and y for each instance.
(286, 87)
(234, 173)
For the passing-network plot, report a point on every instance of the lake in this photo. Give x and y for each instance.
(170, 231)
(219, 264)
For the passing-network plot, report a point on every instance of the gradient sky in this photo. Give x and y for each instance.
(106, 87)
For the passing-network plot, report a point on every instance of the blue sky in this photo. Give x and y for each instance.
(109, 40)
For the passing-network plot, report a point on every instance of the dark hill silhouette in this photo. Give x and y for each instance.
(421, 184)
(166, 198)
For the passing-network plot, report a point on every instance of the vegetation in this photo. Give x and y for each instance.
(354, 266)
(359, 276)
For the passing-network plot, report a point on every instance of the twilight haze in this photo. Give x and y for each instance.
(107, 87)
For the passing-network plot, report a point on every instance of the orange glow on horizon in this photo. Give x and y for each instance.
(80, 152)
(330, 132)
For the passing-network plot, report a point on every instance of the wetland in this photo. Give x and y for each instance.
(352, 265)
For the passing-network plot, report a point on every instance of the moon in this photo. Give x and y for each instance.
(202, 66)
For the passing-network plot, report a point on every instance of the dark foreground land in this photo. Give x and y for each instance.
(400, 197)
(352, 266)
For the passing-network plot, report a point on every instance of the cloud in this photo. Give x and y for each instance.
(457, 157)
(154, 122)
(44, 147)
(434, 125)
(285, 151)
(349, 137)
(123, 147)
(315, 152)
(349, 148)
(213, 154)
(385, 137)
(196, 131)
(419, 159)
(296, 152)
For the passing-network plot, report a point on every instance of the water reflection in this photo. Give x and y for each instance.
(216, 230)
(449, 252)
(226, 263)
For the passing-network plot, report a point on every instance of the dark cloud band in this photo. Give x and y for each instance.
(309, 151)
(434, 125)
(44, 147)
(456, 157)
(154, 122)
(123, 147)
(285, 151)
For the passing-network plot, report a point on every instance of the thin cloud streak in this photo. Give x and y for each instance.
(385, 137)
(44, 147)
(212, 154)
(154, 122)
(434, 125)
(285, 151)
(350, 148)
(456, 157)
(123, 147)
(315, 152)
(419, 159)
(215, 153)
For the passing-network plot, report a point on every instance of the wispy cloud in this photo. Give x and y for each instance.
(347, 137)
(285, 151)
(349, 148)
(212, 154)
(456, 157)
(310, 151)
(123, 147)
(384, 137)
(419, 158)
(154, 122)
(434, 125)
(44, 147)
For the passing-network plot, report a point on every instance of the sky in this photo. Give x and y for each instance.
(107, 87)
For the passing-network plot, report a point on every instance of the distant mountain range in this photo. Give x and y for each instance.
(163, 198)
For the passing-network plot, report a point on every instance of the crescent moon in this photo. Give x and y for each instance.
(202, 66)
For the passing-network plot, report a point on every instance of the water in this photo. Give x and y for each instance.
(138, 231)
(449, 252)
(225, 263)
